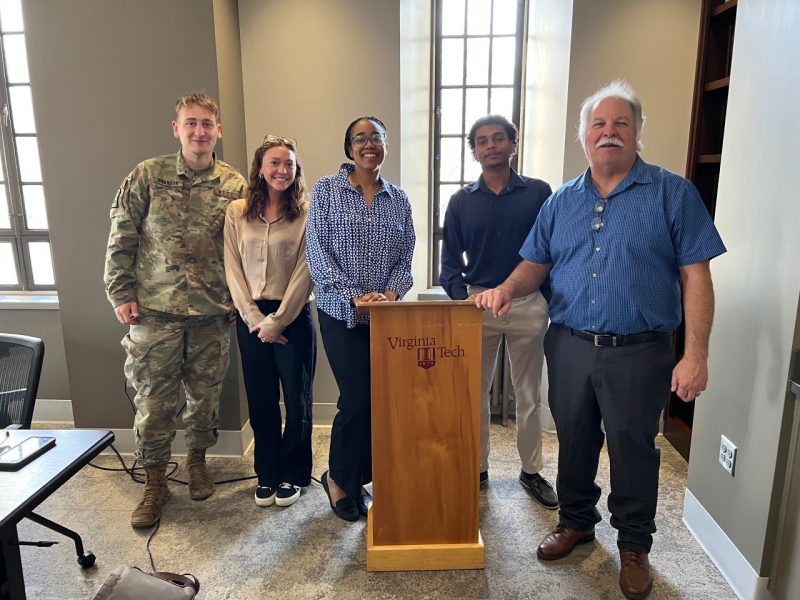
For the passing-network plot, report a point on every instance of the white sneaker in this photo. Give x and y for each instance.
(287, 494)
(265, 496)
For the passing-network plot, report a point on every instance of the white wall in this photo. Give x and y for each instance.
(415, 102)
(546, 90)
(757, 282)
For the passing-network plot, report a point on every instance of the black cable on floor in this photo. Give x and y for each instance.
(137, 473)
(150, 539)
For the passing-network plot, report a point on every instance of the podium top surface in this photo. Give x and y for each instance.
(365, 307)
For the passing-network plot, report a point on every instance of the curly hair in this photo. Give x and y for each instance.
(293, 198)
(511, 129)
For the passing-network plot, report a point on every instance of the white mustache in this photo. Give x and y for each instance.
(609, 141)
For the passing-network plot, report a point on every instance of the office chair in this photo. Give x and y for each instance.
(21, 360)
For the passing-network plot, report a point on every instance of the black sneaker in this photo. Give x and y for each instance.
(265, 495)
(483, 478)
(287, 494)
(541, 491)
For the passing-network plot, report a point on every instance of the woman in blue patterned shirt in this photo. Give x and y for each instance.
(360, 240)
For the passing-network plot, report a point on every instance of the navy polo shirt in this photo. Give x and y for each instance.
(483, 232)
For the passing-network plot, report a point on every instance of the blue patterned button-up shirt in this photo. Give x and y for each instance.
(354, 249)
(623, 278)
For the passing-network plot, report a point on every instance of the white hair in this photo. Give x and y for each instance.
(619, 88)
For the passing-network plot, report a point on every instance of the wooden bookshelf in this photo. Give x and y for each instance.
(706, 132)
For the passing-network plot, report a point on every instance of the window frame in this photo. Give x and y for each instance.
(436, 230)
(19, 235)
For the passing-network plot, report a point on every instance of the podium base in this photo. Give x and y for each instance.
(423, 557)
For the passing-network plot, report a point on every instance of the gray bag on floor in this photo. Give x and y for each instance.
(131, 583)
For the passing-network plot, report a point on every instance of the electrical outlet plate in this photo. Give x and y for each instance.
(727, 455)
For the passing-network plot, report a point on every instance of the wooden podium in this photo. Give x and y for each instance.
(426, 383)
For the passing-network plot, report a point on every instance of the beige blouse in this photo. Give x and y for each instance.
(266, 261)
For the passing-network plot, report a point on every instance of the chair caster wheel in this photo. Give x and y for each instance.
(86, 560)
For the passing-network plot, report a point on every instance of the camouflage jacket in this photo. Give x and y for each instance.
(165, 250)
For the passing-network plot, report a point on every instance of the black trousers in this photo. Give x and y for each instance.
(268, 367)
(626, 388)
(350, 457)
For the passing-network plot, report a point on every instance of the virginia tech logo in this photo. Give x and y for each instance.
(426, 357)
(427, 350)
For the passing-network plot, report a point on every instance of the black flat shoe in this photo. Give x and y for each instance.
(345, 508)
(363, 503)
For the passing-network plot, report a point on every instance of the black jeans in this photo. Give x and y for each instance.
(350, 457)
(625, 387)
(268, 367)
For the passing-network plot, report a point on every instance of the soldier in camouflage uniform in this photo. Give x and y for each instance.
(165, 277)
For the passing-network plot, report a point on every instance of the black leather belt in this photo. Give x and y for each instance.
(612, 340)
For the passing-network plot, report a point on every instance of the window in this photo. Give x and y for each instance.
(25, 259)
(477, 71)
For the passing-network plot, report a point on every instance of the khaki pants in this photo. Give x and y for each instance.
(524, 327)
(163, 351)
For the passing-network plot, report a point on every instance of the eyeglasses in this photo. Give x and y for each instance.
(274, 139)
(599, 209)
(361, 139)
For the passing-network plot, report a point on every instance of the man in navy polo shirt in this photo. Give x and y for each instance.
(484, 226)
(623, 244)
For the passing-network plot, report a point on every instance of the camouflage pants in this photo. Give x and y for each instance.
(163, 351)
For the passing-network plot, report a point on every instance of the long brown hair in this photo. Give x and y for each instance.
(293, 198)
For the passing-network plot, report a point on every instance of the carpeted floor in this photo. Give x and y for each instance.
(240, 551)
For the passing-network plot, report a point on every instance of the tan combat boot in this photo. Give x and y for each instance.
(156, 494)
(201, 486)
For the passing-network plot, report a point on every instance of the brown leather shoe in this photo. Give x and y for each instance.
(560, 542)
(635, 579)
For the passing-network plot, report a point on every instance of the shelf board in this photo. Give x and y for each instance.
(679, 434)
(709, 158)
(717, 84)
(723, 8)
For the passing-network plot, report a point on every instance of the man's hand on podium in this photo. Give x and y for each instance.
(497, 300)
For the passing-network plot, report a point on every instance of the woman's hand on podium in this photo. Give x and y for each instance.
(372, 297)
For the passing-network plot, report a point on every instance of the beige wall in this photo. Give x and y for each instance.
(229, 70)
(654, 46)
(327, 63)
(44, 324)
(311, 67)
(231, 105)
(757, 282)
(268, 81)
(105, 76)
(103, 91)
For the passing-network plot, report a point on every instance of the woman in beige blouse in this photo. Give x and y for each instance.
(265, 264)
